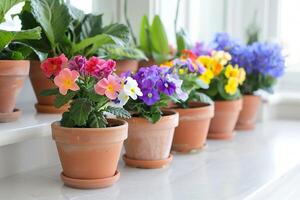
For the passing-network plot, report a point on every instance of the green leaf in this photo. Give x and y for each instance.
(50, 92)
(119, 31)
(91, 26)
(201, 97)
(61, 100)
(9, 36)
(96, 97)
(118, 112)
(116, 52)
(97, 120)
(66, 120)
(145, 40)
(6, 5)
(53, 16)
(159, 37)
(183, 41)
(41, 55)
(76, 13)
(79, 111)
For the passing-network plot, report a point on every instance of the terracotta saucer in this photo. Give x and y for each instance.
(147, 164)
(90, 183)
(189, 151)
(244, 127)
(221, 136)
(10, 117)
(50, 109)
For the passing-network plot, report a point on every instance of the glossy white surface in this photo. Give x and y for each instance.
(252, 164)
(29, 125)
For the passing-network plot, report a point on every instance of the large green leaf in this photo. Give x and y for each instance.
(116, 52)
(118, 31)
(118, 112)
(9, 36)
(6, 5)
(94, 43)
(91, 26)
(53, 16)
(159, 37)
(145, 41)
(183, 41)
(79, 111)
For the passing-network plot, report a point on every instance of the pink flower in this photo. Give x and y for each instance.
(92, 66)
(66, 80)
(52, 66)
(109, 86)
(108, 67)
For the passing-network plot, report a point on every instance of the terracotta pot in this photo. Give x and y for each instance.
(144, 63)
(89, 156)
(247, 117)
(12, 76)
(148, 145)
(223, 123)
(126, 65)
(39, 83)
(193, 127)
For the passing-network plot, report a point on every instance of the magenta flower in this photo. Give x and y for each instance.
(77, 63)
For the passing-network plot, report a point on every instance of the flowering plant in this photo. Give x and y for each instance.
(91, 87)
(190, 72)
(158, 86)
(223, 78)
(263, 62)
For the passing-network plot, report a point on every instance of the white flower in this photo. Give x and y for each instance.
(122, 99)
(131, 88)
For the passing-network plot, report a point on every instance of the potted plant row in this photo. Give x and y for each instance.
(264, 63)
(14, 67)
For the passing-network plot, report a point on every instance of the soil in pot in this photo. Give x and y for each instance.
(223, 123)
(89, 156)
(148, 145)
(247, 117)
(144, 63)
(191, 133)
(126, 65)
(39, 82)
(12, 77)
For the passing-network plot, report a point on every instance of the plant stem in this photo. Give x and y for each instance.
(128, 23)
(176, 16)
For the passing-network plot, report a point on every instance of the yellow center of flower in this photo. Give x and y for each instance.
(67, 83)
(110, 87)
(132, 90)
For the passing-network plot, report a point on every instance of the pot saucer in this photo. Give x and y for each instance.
(188, 151)
(50, 109)
(244, 127)
(147, 164)
(10, 117)
(90, 183)
(221, 136)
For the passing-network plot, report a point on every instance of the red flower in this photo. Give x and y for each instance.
(188, 54)
(52, 66)
(92, 67)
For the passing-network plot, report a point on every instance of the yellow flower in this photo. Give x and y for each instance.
(221, 56)
(242, 76)
(207, 76)
(232, 72)
(231, 86)
(167, 64)
(216, 67)
(181, 71)
(204, 60)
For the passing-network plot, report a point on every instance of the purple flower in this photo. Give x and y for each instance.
(200, 49)
(166, 87)
(150, 96)
(77, 63)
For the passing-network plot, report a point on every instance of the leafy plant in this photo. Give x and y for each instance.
(153, 40)
(11, 46)
(116, 52)
(66, 29)
(91, 88)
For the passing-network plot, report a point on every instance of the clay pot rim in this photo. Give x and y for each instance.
(252, 96)
(172, 111)
(6, 61)
(228, 101)
(123, 125)
(202, 106)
